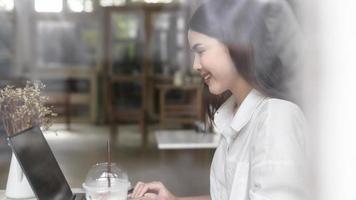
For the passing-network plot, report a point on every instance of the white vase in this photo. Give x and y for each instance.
(17, 186)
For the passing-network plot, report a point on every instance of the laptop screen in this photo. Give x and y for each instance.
(40, 165)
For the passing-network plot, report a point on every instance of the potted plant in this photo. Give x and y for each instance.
(21, 109)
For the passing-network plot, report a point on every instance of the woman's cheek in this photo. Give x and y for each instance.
(204, 61)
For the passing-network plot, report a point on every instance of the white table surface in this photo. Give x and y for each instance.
(186, 139)
(3, 197)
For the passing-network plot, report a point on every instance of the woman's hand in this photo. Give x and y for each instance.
(151, 191)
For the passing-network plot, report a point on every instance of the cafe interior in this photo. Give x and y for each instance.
(114, 86)
(117, 71)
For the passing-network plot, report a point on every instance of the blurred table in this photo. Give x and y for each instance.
(186, 139)
(3, 197)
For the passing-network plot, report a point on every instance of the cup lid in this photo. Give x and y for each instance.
(99, 175)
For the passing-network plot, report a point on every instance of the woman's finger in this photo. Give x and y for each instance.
(155, 186)
(137, 185)
(137, 189)
(144, 198)
(141, 198)
(142, 191)
(142, 188)
(151, 195)
(133, 194)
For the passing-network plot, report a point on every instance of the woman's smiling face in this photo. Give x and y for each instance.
(212, 60)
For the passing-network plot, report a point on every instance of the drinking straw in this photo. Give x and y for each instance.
(109, 163)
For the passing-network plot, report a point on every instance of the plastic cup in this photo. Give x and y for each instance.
(96, 184)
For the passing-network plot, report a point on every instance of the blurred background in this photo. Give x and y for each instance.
(121, 69)
(116, 69)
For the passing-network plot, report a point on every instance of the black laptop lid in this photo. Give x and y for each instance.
(40, 165)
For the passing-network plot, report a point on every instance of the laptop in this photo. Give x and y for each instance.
(40, 166)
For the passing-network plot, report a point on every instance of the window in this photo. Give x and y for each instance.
(106, 3)
(80, 5)
(126, 43)
(66, 43)
(48, 6)
(168, 42)
(6, 44)
(153, 1)
(7, 5)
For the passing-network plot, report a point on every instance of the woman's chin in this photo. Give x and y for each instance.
(214, 90)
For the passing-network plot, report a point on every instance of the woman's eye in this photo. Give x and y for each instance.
(200, 52)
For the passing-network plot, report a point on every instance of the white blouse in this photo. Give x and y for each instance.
(261, 155)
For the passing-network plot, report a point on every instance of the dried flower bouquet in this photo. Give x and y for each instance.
(23, 108)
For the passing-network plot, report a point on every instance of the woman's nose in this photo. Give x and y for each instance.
(196, 64)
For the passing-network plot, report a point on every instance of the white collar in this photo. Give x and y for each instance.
(224, 117)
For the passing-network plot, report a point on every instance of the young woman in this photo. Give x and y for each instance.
(245, 52)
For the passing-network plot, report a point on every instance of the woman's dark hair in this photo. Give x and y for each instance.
(216, 18)
(241, 58)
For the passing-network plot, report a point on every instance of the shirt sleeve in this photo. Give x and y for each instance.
(278, 161)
